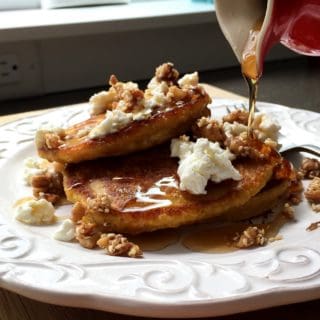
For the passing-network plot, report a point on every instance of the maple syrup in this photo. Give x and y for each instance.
(249, 69)
(153, 197)
(220, 239)
(156, 240)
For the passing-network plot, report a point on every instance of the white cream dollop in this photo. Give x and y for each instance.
(234, 129)
(200, 162)
(33, 166)
(101, 101)
(189, 80)
(266, 127)
(66, 231)
(156, 94)
(114, 120)
(37, 212)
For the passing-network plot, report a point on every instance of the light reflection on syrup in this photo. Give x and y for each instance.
(154, 197)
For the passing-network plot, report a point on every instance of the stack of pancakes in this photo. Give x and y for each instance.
(133, 181)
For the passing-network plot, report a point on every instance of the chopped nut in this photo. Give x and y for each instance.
(251, 236)
(87, 235)
(315, 207)
(166, 72)
(310, 168)
(203, 121)
(244, 146)
(77, 212)
(313, 191)
(288, 211)
(54, 140)
(313, 226)
(99, 204)
(127, 95)
(240, 116)
(184, 138)
(48, 186)
(210, 129)
(118, 245)
(177, 94)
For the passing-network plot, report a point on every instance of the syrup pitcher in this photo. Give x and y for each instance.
(252, 27)
(294, 23)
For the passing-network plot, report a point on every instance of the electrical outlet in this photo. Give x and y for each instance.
(20, 70)
(9, 69)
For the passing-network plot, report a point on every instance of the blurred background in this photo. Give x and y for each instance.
(59, 52)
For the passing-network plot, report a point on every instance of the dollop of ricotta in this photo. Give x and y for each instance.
(66, 231)
(266, 127)
(101, 101)
(189, 80)
(114, 120)
(234, 129)
(200, 162)
(156, 94)
(37, 212)
(32, 167)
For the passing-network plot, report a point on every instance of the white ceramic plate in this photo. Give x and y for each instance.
(173, 282)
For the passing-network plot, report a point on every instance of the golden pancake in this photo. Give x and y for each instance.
(143, 195)
(266, 199)
(137, 135)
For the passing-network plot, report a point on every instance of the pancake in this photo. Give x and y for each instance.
(268, 198)
(142, 193)
(96, 137)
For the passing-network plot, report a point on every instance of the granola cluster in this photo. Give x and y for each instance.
(90, 236)
(48, 183)
(118, 245)
(313, 191)
(252, 236)
(163, 90)
(87, 234)
(232, 133)
(98, 204)
(166, 72)
(310, 169)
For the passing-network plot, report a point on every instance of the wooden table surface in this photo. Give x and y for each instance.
(14, 306)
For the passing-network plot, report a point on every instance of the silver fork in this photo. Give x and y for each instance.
(310, 148)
